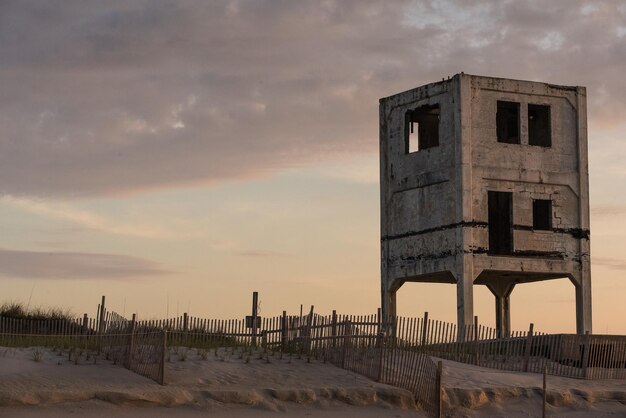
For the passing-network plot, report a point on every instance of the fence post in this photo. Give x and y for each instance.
(300, 329)
(425, 329)
(85, 324)
(440, 389)
(255, 314)
(283, 331)
(476, 345)
(163, 357)
(97, 324)
(333, 331)
(346, 343)
(529, 341)
(185, 334)
(131, 343)
(101, 324)
(545, 372)
(308, 331)
(381, 359)
(585, 358)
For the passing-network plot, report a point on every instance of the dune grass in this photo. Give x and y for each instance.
(18, 310)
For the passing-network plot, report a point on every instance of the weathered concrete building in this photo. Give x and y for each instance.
(484, 181)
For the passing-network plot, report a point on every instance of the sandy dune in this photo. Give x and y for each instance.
(479, 392)
(228, 383)
(234, 383)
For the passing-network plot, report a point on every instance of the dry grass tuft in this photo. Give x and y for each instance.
(37, 355)
(17, 310)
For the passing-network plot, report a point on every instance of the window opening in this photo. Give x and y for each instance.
(542, 215)
(422, 128)
(539, 129)
(500, 223)
(507, 122)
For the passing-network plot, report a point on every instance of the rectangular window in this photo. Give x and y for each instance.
(422, 128)
(542, 215)
(500, 223)
(539, 129)
(507, 122)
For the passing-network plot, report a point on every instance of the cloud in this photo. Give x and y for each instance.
(120, 97)
(90, 220)
(74, 265)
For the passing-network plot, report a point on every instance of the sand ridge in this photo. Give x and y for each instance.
(278, 383)
(221, 378)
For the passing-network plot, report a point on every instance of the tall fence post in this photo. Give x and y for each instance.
(255, 313)
(333, 329)
(425, 329)
(283, 331)
(440, 389)
(97, 324)
(529, 341)
(300, 324)
(85, 324)
(103, 310)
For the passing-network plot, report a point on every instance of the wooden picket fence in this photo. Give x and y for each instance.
(396, 351)
(567, 355)
(384, 352)
(140, 349)
(352, 342)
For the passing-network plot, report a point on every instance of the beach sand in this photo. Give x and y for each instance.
(234, 384)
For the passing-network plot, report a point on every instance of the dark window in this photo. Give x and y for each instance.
(500, 223)
(507, 122)
(542, 215)
(539, 130)
(422, 128)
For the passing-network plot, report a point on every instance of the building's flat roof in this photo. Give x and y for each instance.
(458, 75)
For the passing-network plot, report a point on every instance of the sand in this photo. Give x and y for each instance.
(229, 384)
(234, 384)
(473, 391)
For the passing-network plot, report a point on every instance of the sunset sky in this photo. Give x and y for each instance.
(176, 156)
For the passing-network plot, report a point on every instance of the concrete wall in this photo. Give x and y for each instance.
(419, 196)
(529, 172)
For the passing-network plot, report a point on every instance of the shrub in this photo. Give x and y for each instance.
(37, 355)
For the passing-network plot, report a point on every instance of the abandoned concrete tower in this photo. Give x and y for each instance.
(484, 181)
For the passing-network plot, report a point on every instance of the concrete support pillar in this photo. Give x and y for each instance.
(464, 304)
(389, 302)
(502, 292)
(583, 304)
